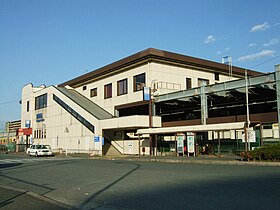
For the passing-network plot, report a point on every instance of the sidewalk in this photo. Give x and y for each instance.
(202, 159)
(11, 198)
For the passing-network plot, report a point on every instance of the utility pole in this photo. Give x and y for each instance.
(247, 112)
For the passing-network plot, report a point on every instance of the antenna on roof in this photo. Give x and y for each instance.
(228, 61)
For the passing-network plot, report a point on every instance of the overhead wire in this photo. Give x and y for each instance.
(265, 62)
(9, 102)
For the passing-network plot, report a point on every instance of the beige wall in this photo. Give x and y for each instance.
(155, 72)
(64, 131)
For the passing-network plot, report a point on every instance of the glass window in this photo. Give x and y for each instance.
(139, 82)
(27, 106)
(84, 87)
(93, 92)
(41, 101)
(188, 83)
(122, 87)
(108, 91)
(217, 76)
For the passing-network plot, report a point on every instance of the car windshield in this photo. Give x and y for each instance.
(42, 147)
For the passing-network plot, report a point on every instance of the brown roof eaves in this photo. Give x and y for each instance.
(160, 55)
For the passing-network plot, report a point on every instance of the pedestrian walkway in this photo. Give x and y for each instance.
(27, 160)
(19, 199)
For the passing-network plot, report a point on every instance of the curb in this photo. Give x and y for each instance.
(39, 197)
(205, 162)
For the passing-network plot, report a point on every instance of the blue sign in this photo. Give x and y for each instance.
(96, 139)
(102, 141)
(147, 93)
(27, 123)
(39, 117)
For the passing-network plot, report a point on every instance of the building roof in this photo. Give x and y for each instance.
(155, 55)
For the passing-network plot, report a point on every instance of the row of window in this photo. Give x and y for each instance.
(40, 134)
(40, 102)
(139, 82)
(200, 82)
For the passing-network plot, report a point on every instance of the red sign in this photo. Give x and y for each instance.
(25, 131)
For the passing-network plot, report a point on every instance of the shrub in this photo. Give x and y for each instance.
(269, 152)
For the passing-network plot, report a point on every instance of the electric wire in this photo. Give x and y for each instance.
(9, 102)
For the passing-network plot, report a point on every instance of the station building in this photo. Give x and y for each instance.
(106, 111)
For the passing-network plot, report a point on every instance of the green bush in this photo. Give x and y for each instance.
(269, 152)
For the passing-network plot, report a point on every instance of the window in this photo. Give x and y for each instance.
(93, 92)
(108, 91)
(122, 87)
(217, 76)
(44, 133)
(139, 82)
(203, 82)
(27, 106)
(41, 102)
(84, 87)
(188, 83)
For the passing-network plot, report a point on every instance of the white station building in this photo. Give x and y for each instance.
(105, 108)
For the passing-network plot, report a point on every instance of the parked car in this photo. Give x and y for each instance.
(39, 150)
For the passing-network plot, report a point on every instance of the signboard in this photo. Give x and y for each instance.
(27, 123)
(147, 93)
(98, 143)
(96, 139)
(251, 136)
(25, 131)
(190, 143)
(180, 144)
(39, 117)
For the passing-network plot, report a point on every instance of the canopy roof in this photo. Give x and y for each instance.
(193, 128)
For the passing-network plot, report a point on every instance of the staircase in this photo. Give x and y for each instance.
(110, 150)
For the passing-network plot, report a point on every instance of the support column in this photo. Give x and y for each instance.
(204, 107)
(277, 79)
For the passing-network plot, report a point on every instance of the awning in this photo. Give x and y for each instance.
(193, 128)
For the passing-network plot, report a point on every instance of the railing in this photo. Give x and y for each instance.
(168, 85)
(75, 152)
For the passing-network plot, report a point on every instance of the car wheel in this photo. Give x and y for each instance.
(29, 153)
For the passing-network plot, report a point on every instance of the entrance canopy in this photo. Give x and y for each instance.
(193, 128)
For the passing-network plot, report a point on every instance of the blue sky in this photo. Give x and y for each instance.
(52, 41)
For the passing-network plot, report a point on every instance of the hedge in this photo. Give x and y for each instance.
(269, 152)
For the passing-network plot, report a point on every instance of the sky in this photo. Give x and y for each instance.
(52, 41)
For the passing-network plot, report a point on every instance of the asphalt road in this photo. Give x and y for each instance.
(119, 184)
